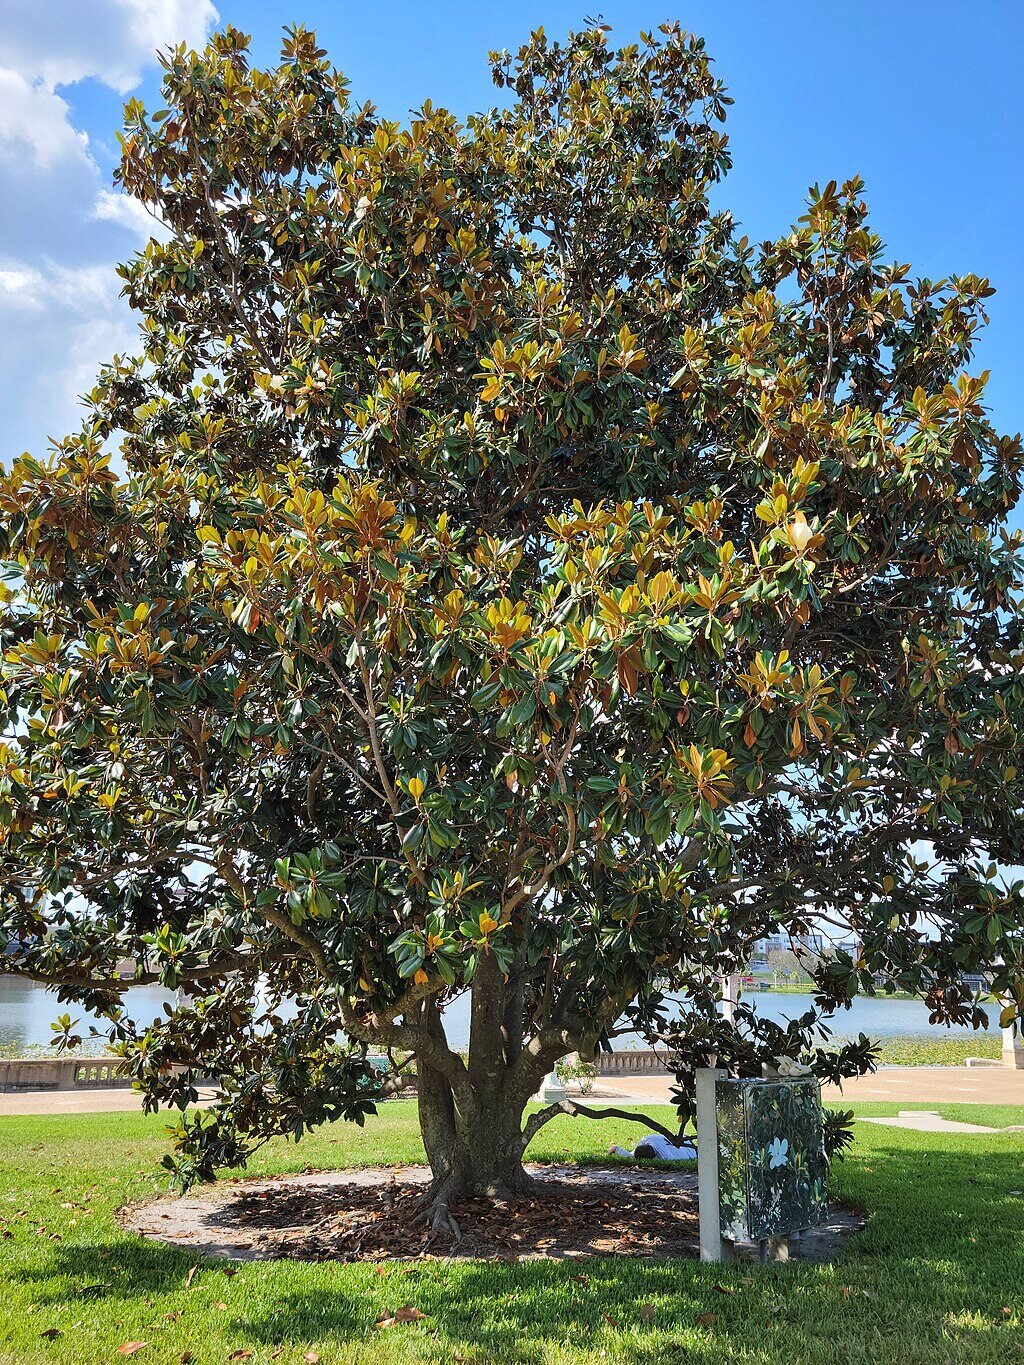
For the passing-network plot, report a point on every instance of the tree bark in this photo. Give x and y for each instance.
(472, 1112)
(474, 1144)
(473, 1130)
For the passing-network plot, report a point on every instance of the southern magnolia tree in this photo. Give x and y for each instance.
(492, 574)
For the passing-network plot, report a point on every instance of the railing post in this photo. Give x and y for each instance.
(1013, 1048)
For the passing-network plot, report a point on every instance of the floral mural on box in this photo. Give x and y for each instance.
(771, 1160)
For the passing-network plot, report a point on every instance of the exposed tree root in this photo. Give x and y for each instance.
(442, 1221)
(434, 1210)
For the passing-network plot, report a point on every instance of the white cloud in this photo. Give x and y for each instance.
(35, 120)
(81, 289)
(18, 289)
(58, 323)
(111, 40)
(112, 207)
(60, 311)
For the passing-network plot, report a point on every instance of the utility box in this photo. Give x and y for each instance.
(772, 1172)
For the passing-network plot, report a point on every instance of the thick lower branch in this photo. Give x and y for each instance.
(118, 984)
(429, 1045)
(537, 1121)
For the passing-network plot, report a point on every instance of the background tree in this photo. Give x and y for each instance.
(783, 962)
(492, 573)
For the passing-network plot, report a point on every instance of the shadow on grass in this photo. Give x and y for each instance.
(940, 1267)
(121, 1268)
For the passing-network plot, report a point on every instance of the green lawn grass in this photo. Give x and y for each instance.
(937, 1276)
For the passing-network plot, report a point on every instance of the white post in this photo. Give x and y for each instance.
(707, 1165)
(1013, 1048)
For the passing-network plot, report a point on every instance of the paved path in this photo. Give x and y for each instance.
(927, 1121)
(74, 1101)
(901, 1084)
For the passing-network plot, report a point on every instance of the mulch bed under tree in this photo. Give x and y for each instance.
(369, 1215)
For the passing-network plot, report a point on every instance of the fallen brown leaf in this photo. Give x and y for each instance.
(240, 1355)
(50, 1333)
(407, 1313)
(130, 1348)
(190, 1276)
(706, 1319)
(647, 1312)
(311, 1357)
(723, 1289)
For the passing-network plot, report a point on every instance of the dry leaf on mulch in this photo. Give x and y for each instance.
(351, 1222)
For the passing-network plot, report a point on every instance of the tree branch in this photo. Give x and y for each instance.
(537, 1120)
(118, 983)
(280, 919)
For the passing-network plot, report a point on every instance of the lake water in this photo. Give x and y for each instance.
(27, 1010)
(875, 1016)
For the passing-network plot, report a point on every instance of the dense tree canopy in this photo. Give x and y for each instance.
(494, 572)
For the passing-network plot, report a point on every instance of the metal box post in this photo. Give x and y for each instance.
(707, 1165)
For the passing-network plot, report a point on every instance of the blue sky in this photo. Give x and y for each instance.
(921, 98)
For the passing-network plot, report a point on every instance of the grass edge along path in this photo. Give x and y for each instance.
(937, 1275)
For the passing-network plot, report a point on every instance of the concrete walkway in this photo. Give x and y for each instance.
(901, 1084)
(96, 1101)
(927, 1121)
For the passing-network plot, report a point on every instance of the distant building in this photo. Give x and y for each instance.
(811, 944)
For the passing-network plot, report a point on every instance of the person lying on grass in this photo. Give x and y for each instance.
(655, 1147)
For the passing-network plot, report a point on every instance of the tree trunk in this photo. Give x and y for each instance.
(472, 1115)
(474, 1143)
